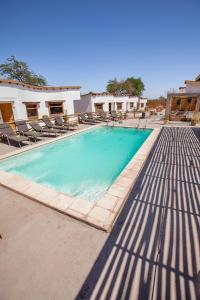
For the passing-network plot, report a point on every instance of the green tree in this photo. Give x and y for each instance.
(19, 70)
(131, 86)
(114, 87)
(197, 78)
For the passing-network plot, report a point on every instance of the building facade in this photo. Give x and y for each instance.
(98, 102)
(23, 101)
(187, 100)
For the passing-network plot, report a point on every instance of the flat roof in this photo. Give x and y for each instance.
(106, 94)
(97, 94)
(184, 94)
(35, 87)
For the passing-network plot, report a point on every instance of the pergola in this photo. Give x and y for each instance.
(192, 98)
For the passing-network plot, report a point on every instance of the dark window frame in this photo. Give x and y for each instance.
(56, 108)
(30, 108)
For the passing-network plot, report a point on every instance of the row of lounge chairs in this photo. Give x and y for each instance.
(92, 119)
(36, 132)
(24, 133)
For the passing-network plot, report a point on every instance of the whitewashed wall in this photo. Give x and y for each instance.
(106, 99)
(18, 95)
(83, 105)
(135, 101)
(87, 102)
(144, 102)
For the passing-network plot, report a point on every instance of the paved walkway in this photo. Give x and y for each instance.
(151, 253)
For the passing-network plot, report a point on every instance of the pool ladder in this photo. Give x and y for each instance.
(145, 126)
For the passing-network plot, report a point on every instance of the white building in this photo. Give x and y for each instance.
(23, 101)
(142, 103)
(97, 102)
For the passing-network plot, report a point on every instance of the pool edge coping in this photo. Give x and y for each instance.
(101, 214)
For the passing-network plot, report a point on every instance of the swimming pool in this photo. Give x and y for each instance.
(84, 165)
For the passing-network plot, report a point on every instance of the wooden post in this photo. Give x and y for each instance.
(197, 107)
(168, 106)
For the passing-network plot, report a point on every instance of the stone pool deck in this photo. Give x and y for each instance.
(151, 253)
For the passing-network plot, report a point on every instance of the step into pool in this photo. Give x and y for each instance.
(83, 165)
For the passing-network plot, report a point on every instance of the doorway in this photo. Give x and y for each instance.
(98, 107)
(110, 107)
(6, 113)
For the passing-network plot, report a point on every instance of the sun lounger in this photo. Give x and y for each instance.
(73, 122)
(92, 118)
(114, 115)
(23, 129)
(39, 128)
(59, 121)
(7, 132)
(50, 125)
(104, 117)
(83, 119)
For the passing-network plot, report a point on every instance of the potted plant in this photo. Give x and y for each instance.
(65, 118)
(195, 119)
(166, 119)
(120, 117)
(125, 115)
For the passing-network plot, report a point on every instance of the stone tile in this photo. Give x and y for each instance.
(100, 214)
(63, 201)
(109, 221)
(81, 206)
(132, 174)
(14, 182)
(75, 214)
(96, 223)
(135, 164)
(34, 189)
(119, 205)
(140, 156)
(47, 195)
(5, 177)
(118, 191)
(108, 202)
(124, 181)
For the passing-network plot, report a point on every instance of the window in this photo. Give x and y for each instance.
(142, 105)
(55, 108)
(32, 110)
(131, 104)
(98, 107)
(119, 105)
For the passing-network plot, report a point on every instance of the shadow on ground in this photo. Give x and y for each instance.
(153, 249)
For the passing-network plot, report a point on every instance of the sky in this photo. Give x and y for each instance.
(88, 42)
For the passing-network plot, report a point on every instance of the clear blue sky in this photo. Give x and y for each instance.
(88, 42)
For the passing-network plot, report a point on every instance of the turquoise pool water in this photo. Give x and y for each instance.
(83, 165)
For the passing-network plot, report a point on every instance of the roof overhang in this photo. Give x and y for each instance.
(31, 102)
(184, 94)
(192, 81)
(38, 88)
(53, 101)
